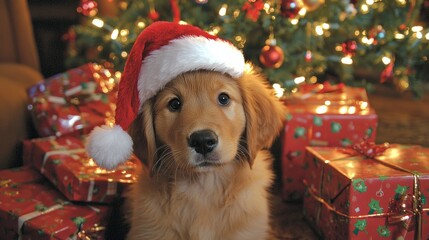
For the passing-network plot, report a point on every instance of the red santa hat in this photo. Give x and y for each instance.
(161, 52)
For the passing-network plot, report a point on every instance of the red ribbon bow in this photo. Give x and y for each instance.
(367, 149)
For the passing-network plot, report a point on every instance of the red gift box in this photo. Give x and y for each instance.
(67, 222)
(73, 102)
(334, 118)
(30, 208)
(21, 175)
(350, 196)
(65, 163)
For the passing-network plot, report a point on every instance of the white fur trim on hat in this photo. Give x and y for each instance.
(109, 146)
(186, 54)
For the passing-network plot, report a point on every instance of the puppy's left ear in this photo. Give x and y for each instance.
(264, 112)
(142, 133)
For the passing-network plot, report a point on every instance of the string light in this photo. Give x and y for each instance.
(319, 30)
(364, 8)
(98, 22)
(347, 60)
(114, 34)
(367, 41)
(401, 2)
(299, 80)
(278, 90)
(417, 29)
(141, 24)
(399, 36)
(386, 60)
(294, 21)
(222, 10)
(214, 31)
(124, 32)
(302, 12)
(321, 109)
(326, 26)
(419, 35)
(267, 8)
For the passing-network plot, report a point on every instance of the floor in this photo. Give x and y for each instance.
(402, 119)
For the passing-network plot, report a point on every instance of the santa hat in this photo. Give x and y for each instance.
(160, 53)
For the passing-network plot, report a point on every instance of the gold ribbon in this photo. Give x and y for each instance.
(93, 233)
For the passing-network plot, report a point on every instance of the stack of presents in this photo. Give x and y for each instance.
(350, 187)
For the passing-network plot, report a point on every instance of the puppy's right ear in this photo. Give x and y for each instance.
(143, 135)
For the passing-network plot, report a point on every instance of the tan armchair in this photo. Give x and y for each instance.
(19, 69)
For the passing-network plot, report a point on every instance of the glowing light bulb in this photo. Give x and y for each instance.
(114, 34)
(399, 36)
(321, 109)
(319, 30)
(222, 10)
(364, 8)
(347, 60)
(326, 26)
(141, 24)
(386, 60)
(279, 91)
(417, 29)
(98, 22)
(299, 80)
(294, 21)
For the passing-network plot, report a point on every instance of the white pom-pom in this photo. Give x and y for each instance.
(109, 146)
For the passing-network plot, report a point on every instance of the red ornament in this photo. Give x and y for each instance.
(349, 47)
(271, 56)
(87, 7)
(153, 15)
(308, 56)
(253, 9)
(289, 8)
(387, 74)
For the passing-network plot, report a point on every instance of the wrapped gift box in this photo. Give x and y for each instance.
(351, 196)
(21, 175)
(31, 208)
(73, 102)
(66, 164)
(335, 118)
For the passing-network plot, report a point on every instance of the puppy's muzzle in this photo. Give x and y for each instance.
(203, 141)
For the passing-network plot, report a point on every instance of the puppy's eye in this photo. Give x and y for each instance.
(223, 99)
(174, 105)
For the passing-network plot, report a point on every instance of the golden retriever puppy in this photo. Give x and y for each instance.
(203, 138)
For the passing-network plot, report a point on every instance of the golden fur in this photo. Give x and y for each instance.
(179, 199)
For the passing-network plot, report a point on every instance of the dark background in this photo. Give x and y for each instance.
(51, 20)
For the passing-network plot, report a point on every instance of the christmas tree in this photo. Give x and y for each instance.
(292, 41)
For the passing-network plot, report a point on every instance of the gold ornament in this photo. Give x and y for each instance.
(311, 5)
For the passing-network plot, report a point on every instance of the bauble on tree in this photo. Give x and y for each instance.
(271, 56)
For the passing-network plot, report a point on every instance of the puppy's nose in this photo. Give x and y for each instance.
(203, 141)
